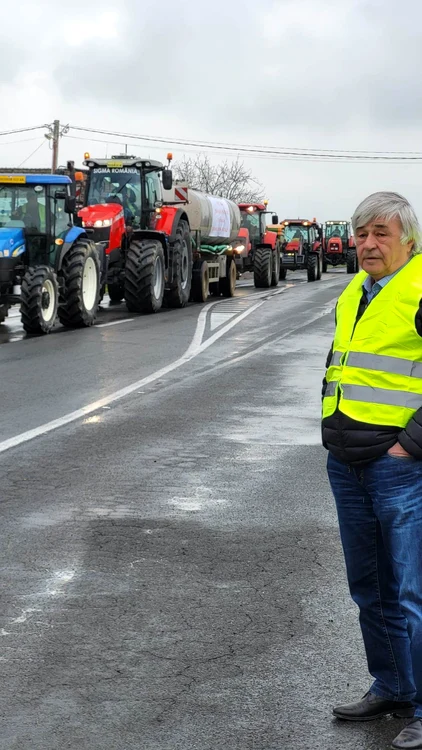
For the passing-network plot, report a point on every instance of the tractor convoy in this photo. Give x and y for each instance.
(124, 226)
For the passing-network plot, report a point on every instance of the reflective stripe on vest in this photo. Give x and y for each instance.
(380, 362)
(335, 359)
(330, 389)
(372, 395)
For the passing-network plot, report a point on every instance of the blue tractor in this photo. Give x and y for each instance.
(47, 264)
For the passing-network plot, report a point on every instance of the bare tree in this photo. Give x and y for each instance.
(229, 179)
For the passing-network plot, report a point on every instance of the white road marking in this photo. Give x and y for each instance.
(195, 348)
(217, 319)
(115, 323)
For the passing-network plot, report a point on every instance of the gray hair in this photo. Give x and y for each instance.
(387, 206)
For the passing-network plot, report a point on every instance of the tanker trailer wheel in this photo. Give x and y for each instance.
(180, 261)
(352, 261)
(144, 282)
(312, 267)
(81, 278)
(263, 267)
(39, 299)
(228, 282)
(200, 281)
(275, 276)
(116, 292)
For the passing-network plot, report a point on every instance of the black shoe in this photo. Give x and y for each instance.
(410, 738)
(373, 707)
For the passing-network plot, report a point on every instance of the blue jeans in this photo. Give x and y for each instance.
(380, 515)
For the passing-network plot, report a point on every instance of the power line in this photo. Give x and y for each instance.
(23, 130)
(32, 154)
(328, 154)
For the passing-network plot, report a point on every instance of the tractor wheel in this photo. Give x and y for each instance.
(80, 295)
(144, 283)
(312, 267)
(116, 292)
(324, 266)
(227, 284)
(351, 260)
(263, 267)
(39, 299)
(180, 261)
(283, 274)
(319, 267)
(200, 281)
(275, 276)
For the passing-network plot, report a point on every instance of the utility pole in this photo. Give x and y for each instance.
(55, 148)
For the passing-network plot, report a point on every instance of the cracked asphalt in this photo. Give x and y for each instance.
(172, 577)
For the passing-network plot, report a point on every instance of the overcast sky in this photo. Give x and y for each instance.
(325, 74)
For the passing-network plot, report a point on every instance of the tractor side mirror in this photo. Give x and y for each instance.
(60, 195)
(167, 179)
(274, 219)
(70, 204)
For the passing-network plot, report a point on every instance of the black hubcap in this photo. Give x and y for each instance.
(45, 300)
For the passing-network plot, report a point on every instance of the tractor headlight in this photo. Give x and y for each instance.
(103, 223)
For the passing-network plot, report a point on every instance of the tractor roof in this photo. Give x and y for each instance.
(35, 179)
(337, 222)
(121, 162)
(303, 222)
(256, 206)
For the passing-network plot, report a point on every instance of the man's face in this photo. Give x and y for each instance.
(379, 249)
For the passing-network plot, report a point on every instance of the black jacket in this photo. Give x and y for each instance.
(358, 443)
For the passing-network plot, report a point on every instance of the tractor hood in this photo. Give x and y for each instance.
(100, 214)
(12, 241)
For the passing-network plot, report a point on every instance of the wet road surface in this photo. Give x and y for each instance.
(171, 570)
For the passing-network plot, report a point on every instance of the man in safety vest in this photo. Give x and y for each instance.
(372, 427)
(32, 213)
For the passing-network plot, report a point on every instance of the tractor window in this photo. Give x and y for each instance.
(336, 230)
(23, 205)
(296, 232)
(153, 189)
(61, 218)
(250, 221)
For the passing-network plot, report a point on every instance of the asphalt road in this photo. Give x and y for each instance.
(171, 570)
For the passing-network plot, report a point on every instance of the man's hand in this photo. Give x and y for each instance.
(397, 450)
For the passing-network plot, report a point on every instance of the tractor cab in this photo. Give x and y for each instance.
(253, 219)
(36, 213)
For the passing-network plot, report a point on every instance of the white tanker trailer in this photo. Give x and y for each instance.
(214, 223)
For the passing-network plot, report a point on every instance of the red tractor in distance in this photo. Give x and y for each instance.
(339, 246)
(259, 248)
(301, 247)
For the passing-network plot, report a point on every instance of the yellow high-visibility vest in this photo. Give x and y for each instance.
(375, 373)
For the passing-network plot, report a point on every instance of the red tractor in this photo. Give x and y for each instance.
(153, 251)
(301, 247)
(340, 246)
(259, 249)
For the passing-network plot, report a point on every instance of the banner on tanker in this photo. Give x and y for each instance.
(220, 226)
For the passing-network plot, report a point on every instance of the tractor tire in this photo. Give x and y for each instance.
(324, 266)
(144, 282)
(39, 299)
(319, 268)
(312, 267)
(227, 285)
(200, 281)
(275, 276)
(180, 261)
(81, 276)
(283, 274)
(116, 292)
(351, 261)
(263, 267)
